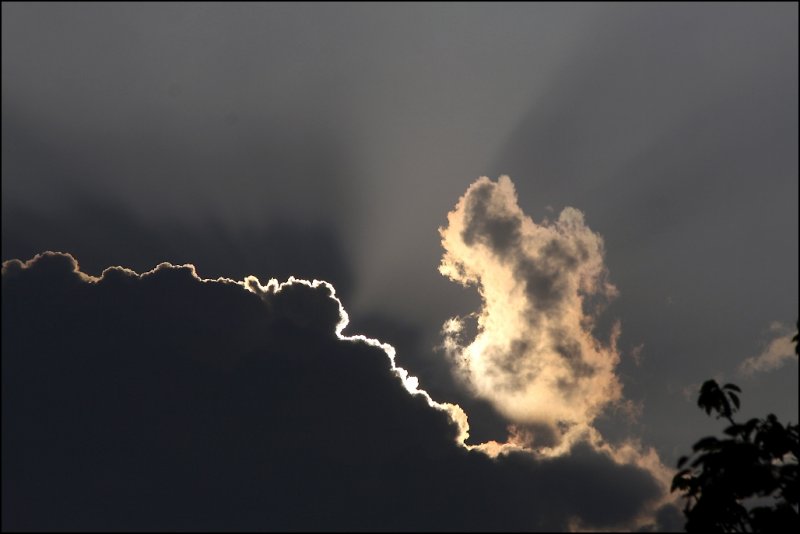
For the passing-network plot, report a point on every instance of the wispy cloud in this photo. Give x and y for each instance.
(778, 351)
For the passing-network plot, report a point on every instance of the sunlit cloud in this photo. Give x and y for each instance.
(534, 355)
(778, 352)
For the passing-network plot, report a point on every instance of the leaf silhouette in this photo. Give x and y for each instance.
(755, 459)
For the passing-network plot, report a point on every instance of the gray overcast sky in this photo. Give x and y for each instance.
(332, 139)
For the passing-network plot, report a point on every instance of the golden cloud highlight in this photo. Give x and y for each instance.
(534, 356)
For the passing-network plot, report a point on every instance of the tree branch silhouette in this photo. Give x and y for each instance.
(728, 483)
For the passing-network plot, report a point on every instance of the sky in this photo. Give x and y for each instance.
(560, 219)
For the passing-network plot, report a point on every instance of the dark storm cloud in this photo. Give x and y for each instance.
(163, 401)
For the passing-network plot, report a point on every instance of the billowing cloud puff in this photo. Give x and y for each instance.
(165, 401)
(533, 355)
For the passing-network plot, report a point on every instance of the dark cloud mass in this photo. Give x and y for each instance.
(163, 401)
